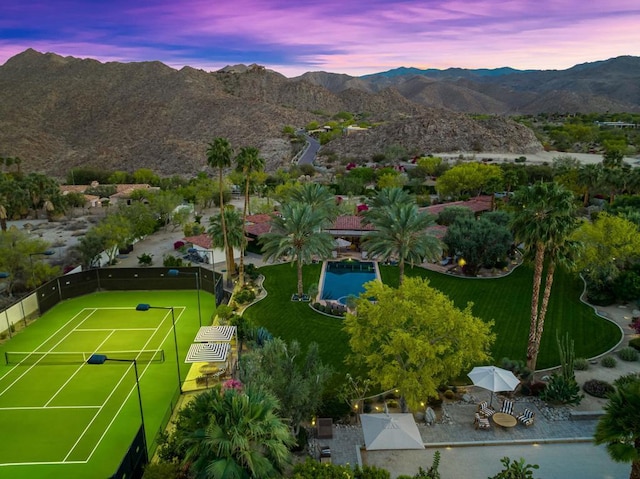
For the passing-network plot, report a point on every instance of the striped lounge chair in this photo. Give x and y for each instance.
(481, 422)
(527, 417)
(507, 407)
(485, 409)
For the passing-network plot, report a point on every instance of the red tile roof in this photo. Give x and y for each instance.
(203, 240)
(350, 223)
(477, 205)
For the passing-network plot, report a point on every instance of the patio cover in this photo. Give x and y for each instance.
(208, 353)
(215, 334)
(390, 431)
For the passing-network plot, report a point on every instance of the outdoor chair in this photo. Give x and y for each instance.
(527, 417)
(485, 409)
(507, 407)
(481, 422)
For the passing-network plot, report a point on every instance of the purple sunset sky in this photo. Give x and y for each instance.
(355, 37)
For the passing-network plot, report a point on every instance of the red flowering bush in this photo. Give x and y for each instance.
(232, 384)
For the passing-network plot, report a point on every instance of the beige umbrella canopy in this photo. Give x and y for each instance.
(493, 379)
(390, 431)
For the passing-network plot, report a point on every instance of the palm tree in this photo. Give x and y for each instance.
(219, 154)
(318, 197)
(3, 216)
(590, 178)
(235, 237)
(401, 231)
(248, 161)
(297, 234)
(543, 221)
(244, 438)
(619, 427)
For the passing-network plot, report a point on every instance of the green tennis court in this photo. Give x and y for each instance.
(63, 417)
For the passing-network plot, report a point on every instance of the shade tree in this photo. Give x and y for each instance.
(479, 242)
(414, 338)
(295, 377)
(468, 179)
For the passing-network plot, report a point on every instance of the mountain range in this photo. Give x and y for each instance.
(58, 113)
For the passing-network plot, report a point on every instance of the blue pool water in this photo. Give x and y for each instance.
(346, 278)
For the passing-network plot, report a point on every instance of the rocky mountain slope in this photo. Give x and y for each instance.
(610, 85)
(58, 112)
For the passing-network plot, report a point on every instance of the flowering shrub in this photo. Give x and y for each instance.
(178, 244)
(232, 384)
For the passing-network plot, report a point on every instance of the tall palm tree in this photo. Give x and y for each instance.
(401, 231)
(219, 154)
(619, 427)
(543, 221)
(248, 161)
(590, 177)
(297, 234)
(318, 197)
(244, 438)
(235, 237)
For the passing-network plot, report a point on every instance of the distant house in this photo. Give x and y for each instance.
(122, 194)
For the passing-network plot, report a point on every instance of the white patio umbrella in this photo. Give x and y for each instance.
(493, 379)
(342, 243)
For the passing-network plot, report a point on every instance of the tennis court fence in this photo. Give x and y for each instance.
(72, 285)
(27, 358)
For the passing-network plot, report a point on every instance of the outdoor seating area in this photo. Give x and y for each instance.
(504, 417)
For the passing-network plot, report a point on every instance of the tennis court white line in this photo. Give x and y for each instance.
(96, 415)
(115, 329)
(135, 386)
(36, 363)
(19, 408)
(44, 463)
(42, 344)
(76, 372)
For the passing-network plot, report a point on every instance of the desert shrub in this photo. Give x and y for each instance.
(516, 469)
(245, 296)
(517, 367)
(597, 388)
(562, 390)
(170, 261)
(628, 354)
(626, 379)
(392, 403)
(608, 362)
(145, 259)
(581, 364)
(449, 394)
(635, 343)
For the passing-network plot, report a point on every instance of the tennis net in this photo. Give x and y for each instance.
(80, 357)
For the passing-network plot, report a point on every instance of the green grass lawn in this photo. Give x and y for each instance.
(506, 301)
(77, 420)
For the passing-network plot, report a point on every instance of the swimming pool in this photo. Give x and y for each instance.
(342, 279)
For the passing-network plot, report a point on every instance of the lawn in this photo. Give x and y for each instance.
(506, 301)
(64, 418)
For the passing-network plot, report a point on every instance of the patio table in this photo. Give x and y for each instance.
(504, 420)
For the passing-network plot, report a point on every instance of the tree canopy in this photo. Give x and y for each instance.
(413, 338)
(469, 178)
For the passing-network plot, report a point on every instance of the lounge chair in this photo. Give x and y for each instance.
(485, 409)
(481, 422)
(507, 407)
(526, 417)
